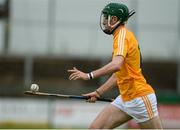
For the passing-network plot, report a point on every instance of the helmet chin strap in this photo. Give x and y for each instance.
(113, 26)
(116, 25)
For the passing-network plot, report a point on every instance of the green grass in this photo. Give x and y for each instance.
(11, 125)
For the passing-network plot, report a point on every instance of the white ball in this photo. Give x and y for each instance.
(34, 87)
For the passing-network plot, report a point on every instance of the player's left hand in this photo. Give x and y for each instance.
(92, 96)
(77, 74)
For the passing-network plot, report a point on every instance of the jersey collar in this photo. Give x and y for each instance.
(117, 30)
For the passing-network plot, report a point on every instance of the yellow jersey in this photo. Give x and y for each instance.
(130, 80)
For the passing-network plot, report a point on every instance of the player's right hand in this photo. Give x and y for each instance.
(76, 74)
(92, 97)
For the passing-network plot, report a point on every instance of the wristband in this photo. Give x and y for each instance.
(98, 92)
(90, 75)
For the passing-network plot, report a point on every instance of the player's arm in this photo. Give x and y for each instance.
(112, 67)
(109, 84)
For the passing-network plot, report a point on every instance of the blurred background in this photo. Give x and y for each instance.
(41, 39)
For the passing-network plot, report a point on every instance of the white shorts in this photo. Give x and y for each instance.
(141, 109)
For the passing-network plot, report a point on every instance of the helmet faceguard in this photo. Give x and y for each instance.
(120, 11)
(105, 23)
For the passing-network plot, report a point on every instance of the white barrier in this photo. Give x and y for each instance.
(23, 111)
(56, 113)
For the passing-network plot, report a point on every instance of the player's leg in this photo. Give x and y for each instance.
(154, 123)
(110, 117)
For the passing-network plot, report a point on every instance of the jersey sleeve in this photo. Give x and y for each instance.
(120, 44)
